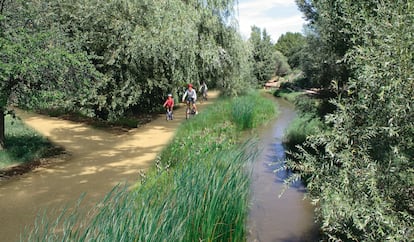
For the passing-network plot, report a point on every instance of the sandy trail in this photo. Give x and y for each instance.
(98, 161)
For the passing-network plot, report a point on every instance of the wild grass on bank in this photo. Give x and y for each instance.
(198, 190)
(249, 111)
(22, 144)
(287, 94)
(301, 128)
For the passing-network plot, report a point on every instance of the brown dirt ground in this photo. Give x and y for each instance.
(94, 161)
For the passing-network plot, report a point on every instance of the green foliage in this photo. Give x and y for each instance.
(317, 105)
(264, 56)
(198, 190)
(288, 94)
(238, 76)
(134, 52)
(148, 49)
(22, 144)
(322, 58)
(363, 179)
(302, 127)
(290, 45)
(282, 67)
(38, 66)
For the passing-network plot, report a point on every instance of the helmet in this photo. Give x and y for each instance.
(170, 95)
(190, 85)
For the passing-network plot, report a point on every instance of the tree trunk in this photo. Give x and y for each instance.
(1, 128)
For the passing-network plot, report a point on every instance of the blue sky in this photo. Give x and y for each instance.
(276, 16)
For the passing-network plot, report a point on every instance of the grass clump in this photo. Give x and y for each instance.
(301, 128)
(198, 190)
(22, 144)
(249, 111)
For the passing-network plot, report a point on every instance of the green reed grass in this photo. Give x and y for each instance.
(199, 190)
(301, 128)
(249, 111)
(22, 143)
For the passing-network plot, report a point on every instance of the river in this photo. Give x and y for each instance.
(288, 218)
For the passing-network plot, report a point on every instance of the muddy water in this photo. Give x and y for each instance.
(272, 218)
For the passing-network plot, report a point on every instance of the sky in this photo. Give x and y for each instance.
(276, 16)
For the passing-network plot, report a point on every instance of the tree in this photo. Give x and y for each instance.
(264, 59)
(282, 67)
(361, 171)
(148, 49)
(124, 55)
(34, 61)
(290, 45)
(327, 42)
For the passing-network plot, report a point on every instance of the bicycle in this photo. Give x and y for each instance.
(189, 111)
(203, 97)
(169, 114)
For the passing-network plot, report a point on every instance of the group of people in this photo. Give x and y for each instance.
(190, 97)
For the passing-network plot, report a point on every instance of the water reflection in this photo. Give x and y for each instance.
(275, 160)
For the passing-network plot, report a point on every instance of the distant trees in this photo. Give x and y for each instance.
(278, 59)
(263, 55)
(290, 45)
(267, 61)
(360, 173)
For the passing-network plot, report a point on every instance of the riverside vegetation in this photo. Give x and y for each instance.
(358, 161)
(23, 145)
(358, 165)
(197, 190)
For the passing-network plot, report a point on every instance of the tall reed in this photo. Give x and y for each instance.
(198, 190)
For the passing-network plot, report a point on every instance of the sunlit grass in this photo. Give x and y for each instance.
(22, 144)
(249, 111)
(197, 191)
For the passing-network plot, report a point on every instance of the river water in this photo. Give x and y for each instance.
(288, 218)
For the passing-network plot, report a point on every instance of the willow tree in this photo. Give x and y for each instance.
(363, 177)
(36, 67)
(149, 48)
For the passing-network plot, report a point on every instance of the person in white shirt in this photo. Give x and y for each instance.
(190, 97)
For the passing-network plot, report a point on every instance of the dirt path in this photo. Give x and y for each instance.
(97, 162)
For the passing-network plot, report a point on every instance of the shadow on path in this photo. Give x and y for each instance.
(96, 162)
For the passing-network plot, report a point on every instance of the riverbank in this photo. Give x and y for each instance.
(96, 161)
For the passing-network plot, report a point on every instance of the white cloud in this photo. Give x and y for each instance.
(269, 15)
(264, 4)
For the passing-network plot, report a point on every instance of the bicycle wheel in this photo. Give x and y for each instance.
(187, 113)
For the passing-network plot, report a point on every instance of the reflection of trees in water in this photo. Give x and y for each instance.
(275, 161)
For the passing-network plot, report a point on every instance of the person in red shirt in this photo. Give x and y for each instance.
(169, 105)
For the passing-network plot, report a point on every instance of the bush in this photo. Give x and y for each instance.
(300, 129)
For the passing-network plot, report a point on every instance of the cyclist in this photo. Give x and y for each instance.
(190, 96)
(203, 90)
(169, 105)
